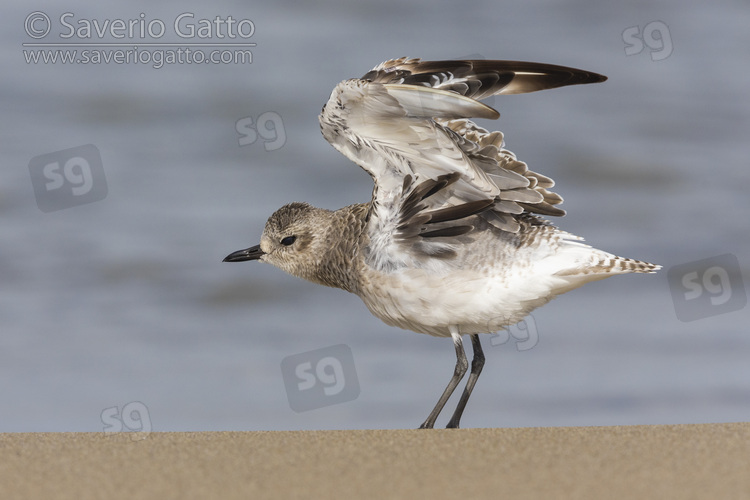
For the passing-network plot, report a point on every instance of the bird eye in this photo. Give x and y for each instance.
(288, 240)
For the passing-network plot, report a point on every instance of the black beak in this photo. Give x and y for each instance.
(252, 253)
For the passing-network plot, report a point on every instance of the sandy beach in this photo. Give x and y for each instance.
(679, 461)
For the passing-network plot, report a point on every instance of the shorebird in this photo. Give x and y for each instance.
(453, 241)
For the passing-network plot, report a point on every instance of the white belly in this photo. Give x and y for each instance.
(477, 301)
(429, 303)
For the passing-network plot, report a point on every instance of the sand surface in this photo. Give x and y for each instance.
(665, 462)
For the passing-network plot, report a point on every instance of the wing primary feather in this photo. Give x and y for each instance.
(459, 211)
(447, 232)
(543, 209)
(443, 182)
(408, 213)
(407, 183)
(479, 79)
(428, 102)
(412, 205)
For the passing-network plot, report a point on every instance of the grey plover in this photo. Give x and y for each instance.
(453, 241)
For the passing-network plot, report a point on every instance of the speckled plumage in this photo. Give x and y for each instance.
(452, 242)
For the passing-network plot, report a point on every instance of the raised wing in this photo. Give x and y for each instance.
(479, 79)
(406, 123)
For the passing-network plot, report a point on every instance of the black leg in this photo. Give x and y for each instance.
(461, 366)
(476, 368)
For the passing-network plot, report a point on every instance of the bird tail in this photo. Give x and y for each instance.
(576, 264)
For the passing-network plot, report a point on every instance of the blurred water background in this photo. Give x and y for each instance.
(126, 300)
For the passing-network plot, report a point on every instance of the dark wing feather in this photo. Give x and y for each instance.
(479, 79)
